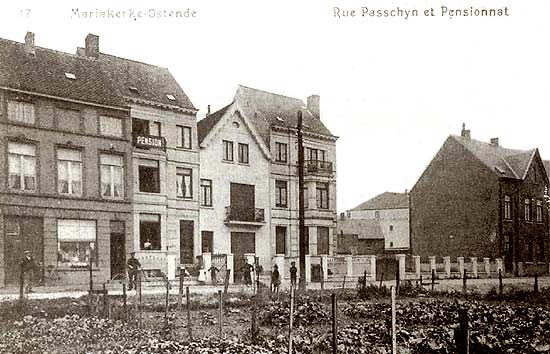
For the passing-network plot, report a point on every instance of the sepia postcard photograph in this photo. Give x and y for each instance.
(274, 177)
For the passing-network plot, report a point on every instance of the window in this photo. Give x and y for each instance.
(281, 194)
(527, 209)
(112, 175)
(149, 180)
(110, 126)
(306, 198)
(21, 166)
(311, 154)
(76, 241)
(507, 207)
(21, 112)
(206, 192)
(184, 183)
(539, 211)
(140, 127)
(322, 240)
(207, 241)
(149, 232)
(280, 152)
(391, 227)
(280, 240)
(154, 129)
(243, 153)
(228, 150)
(67, 119)
(184, 137)
(306, 237)
(69, 171)
(322, 196)
(377, 215)
(321, 155)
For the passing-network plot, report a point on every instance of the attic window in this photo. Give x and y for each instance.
(499, 170)
(133, 89)
(70, 76)
(171, 97)
(280, 119)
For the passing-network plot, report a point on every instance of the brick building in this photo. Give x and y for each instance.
(252, 208)
(65, 167)
(478, 199)
(359, 237)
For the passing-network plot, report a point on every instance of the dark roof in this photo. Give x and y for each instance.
(44, 73)
(151, 83)
(386, 200)
(266, 110)
(504, 162)
(364, 229)
(208, 122)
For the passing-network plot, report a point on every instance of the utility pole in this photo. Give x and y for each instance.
(301, 213)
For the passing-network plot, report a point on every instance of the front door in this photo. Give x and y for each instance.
(242, 202)
(186, 241)
(118, 250)
(21, 234)
(241, 243)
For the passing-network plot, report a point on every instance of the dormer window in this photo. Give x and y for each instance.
(70, 76)
(171, 97)
(280, 119)
(133, 89)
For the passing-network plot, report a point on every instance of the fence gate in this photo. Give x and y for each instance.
(386, 268)
(220, 262)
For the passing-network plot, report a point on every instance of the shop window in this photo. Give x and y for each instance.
(149, 232)
(76, 242)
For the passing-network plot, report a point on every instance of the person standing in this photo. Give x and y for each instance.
(247, 269)
(27, 271)
(293, 274)
(133, 270)
(275, 279)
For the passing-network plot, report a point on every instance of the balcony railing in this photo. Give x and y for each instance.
(317, 167)
(248, 215)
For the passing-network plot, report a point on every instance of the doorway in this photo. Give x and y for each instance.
(186, 241)
(22, 234)
(118, 249)
(241, 243)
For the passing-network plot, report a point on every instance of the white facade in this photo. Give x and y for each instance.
(170, 208)
(393, 222)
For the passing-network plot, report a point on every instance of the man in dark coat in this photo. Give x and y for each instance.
(293, 273)
(133, 270)
(27, 270)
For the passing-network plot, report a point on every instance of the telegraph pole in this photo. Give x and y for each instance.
(301, 213)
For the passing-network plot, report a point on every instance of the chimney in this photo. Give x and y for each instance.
(92, 46)
(313, 105)
(208, 111)
(465, 133)
(29, 43)
(342, 216)
(494, 141)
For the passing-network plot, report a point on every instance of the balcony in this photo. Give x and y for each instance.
(244, 216)
(318, 168)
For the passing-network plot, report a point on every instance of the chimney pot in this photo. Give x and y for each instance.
(313, 105)
(208, 111)
(465, 133)
(92, 46)
(29, 43)
(494, 141)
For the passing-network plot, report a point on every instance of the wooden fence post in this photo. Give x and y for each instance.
(397, 280)
(21, 286)
(536, 286)
(139, 295)
(166, 302)
(188, 307)
(500, 285)
(462, 335)
(464, 283)
(291, 319)
(393, 323)
(124, 303)
(105, 302)
(344, 283)
(254, 311)
(180, 292)
(220, 295)
(433, 280)
(334, 324)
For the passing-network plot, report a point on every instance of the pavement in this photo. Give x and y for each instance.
(444, 285)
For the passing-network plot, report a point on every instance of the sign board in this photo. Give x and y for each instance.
(148, 142)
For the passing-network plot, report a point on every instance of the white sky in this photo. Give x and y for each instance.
(391, 89)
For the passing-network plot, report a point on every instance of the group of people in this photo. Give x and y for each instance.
(28, 266)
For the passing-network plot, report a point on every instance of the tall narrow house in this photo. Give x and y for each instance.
(479, 199)
(249, 178)
(165, 159)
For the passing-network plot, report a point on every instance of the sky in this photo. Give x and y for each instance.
(392, 89)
